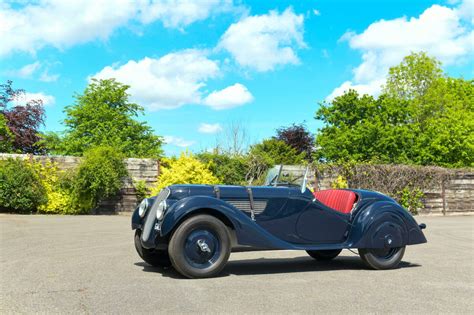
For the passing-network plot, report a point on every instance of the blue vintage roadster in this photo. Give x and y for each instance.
(194, 228)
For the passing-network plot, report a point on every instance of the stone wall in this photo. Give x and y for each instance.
(139, 170)
(453, 196)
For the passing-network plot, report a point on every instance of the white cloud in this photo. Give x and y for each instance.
(46, 77)
(178, 141)
(263, 42)
(371, 88)
(178, 14)
(29, 72)
(316, 12)
(440, 31)
(62, 24)
(232, 96)
(26, 97)
(26, 71)
(209, 128)
(169, 82)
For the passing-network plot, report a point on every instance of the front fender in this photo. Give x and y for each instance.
(384, 224)
(247, 231)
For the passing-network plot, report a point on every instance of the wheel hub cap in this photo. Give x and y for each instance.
(201, 248)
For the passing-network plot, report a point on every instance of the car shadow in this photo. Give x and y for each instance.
(263, 266)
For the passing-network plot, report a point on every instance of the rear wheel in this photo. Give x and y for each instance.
(156, 258)
(324, 254)
(200, 247)
(382, 258)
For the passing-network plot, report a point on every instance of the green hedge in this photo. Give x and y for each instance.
(21, 190)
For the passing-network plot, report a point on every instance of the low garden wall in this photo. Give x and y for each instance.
(146, 170)
(453, 194)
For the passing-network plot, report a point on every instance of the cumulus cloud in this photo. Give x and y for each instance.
(169, 82)
(178, 141)
(232, 96)
(30, 71)
(26, 97)
(178, 14)
(61, 24)
(209, 128)
(263, 42)
(442, 32)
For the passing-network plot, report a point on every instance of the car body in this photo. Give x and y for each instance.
(195, 227)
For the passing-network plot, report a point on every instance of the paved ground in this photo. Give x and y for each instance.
(87, 264)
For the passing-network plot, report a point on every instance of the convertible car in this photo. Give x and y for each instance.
(194, 228)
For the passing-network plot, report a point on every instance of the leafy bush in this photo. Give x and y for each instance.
(141, 189)
(99, 176)
(339, 183)
(57, 184)
(230, 170)
(410, 198)
(6, 136)
(185, 170)
(21, 189)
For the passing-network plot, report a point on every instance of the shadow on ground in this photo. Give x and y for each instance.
(277, 265)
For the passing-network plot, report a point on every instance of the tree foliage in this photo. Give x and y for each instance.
(229, 169)
(20, 187)
(422, 118)
(273, 151)
(298, 137)
(98, 176)
(103, 115)
(19, 124)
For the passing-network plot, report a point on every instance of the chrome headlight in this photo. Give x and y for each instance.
(142, 208)
(161, 210)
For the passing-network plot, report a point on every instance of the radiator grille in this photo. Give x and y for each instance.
(244, 205)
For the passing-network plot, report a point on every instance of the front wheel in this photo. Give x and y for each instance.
(324, 254)
(382, 258)
(200, 247)
(156, 258)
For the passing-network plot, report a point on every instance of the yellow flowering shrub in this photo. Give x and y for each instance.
(340, 183)
(59, 198)
(184, 170)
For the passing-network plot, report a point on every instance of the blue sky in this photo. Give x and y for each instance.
(199, 67)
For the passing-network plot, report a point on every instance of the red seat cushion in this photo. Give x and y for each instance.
(337, 199)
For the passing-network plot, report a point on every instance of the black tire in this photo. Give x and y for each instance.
(381, 259)
(324, 254)
(156, 258)
(200, 247)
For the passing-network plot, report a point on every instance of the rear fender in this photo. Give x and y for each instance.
(384, 224)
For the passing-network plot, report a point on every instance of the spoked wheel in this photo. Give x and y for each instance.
(324, 254)
(382, 258)
(200, 247)
(156, 258)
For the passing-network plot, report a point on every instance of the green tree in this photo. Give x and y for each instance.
(103, 115)
(6, 136)
(273, 151)
(98, 176)
(413, 76)
(229, 169)
(422, 117)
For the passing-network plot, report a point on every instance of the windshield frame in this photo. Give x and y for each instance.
(275, 174)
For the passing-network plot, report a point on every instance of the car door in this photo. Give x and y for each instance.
(322, 225)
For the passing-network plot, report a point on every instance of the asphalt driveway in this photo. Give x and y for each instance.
(87, 264)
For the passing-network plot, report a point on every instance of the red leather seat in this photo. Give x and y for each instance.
(337, 199)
